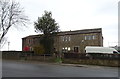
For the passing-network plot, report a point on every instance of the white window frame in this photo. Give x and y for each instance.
(69, 38)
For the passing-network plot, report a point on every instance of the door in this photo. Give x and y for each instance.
(76, 49)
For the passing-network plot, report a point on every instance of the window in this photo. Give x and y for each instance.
(85, 37)
(63, 38)
(31, 49)
(89, 37)
(76, 49)
(93, 37)
(66, 38)
(69, 38)
(28, 40)
(68, 48)
(31, 41)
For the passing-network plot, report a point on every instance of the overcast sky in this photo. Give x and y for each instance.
(70, 15)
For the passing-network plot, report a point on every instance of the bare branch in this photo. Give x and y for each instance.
(11, 14)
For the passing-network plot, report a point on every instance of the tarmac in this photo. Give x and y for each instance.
(56, 63)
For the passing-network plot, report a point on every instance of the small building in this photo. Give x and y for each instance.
(30, 41)
(69, 41)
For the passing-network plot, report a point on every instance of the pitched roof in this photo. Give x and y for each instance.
(32, 36)
(84, 31)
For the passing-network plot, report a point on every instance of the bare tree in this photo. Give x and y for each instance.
(11, 14)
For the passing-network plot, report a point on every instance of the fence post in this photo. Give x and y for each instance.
(44, 57)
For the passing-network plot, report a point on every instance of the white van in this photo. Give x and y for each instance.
(97, 49)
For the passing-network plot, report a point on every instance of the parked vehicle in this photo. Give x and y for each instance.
(100, 50)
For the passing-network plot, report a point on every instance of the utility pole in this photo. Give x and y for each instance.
(8, 45)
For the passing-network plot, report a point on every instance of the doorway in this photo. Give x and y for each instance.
(76, 49)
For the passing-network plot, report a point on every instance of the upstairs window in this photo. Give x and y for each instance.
(89, 37)
(65, 38)
(69, 38)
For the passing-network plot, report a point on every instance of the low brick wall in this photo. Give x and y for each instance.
(41, 58)
(92, 56)
(27, 55)
(15, 55)
(67, 58)
(113, 63)
(93, 59)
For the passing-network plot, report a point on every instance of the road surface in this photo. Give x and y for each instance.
(37, 69)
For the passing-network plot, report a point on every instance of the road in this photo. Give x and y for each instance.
(37, 69)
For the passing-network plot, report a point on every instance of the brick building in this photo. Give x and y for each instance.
(74, 41)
